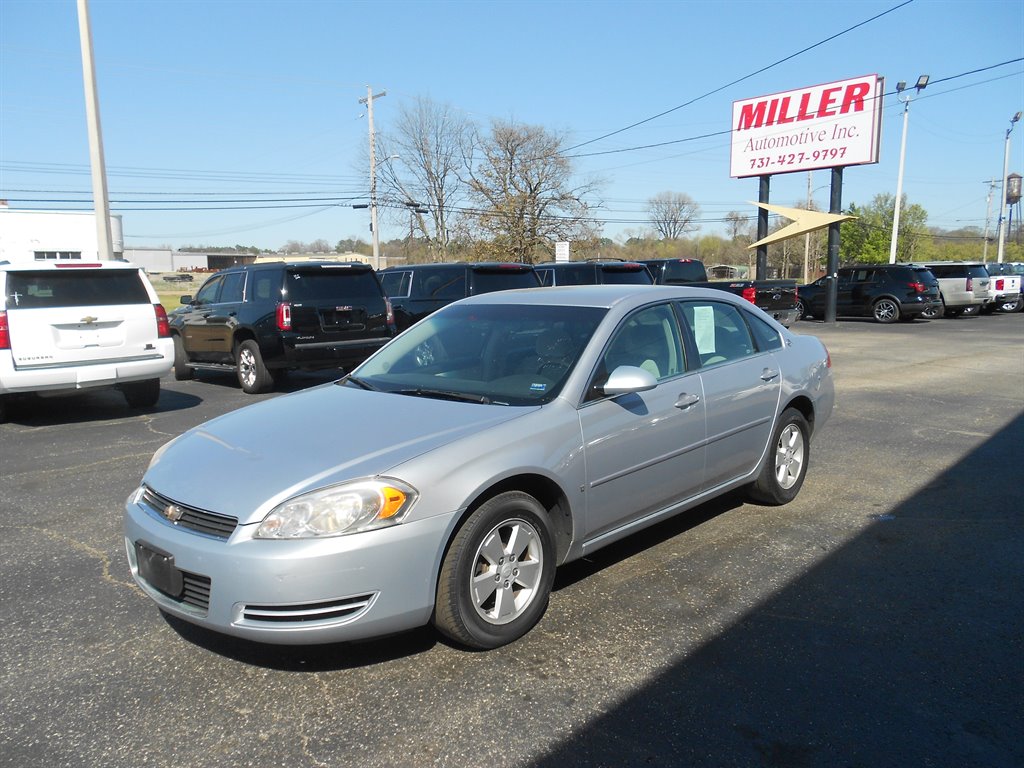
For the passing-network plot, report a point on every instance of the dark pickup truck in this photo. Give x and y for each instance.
(777, 298)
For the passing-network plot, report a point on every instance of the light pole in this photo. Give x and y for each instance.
(1006, 190)
(901, 86)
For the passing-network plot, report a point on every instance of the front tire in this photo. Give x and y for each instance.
(253, 375)
(786, 465)
(886, 311)
(496, 578)
(801, 310)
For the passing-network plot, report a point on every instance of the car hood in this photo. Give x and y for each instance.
(247, 462)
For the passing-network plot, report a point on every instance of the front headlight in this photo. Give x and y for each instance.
(348, 508)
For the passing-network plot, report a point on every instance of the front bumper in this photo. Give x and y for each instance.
(292, 592)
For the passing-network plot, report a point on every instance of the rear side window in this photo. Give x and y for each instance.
(332, 285)
(441, 284)
(31, 290)
(396, 284)
(574, 274)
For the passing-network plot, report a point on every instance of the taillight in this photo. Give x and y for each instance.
(970, 283)
(918, 287)
(999, 283)
(5, 332)
(163, 328)
(284, 316)
(828, 358)
(750, 294)
(390, 313)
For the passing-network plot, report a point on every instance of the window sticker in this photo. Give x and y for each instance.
(704, 329)
(538, 387)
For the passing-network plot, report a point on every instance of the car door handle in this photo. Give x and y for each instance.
(768, 374)
(686, 401)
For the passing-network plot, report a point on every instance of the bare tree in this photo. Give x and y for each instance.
(423, 181)
(673, 214)
(526, 194)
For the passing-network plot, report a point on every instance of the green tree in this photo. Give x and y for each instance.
(866, 239)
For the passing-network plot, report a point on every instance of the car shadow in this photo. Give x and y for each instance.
(86, 407)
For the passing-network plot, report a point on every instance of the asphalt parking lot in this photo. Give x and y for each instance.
(878, 620)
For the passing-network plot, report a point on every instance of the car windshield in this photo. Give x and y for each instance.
(502, 353)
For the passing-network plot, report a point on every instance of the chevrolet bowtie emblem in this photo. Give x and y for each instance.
(89, 319)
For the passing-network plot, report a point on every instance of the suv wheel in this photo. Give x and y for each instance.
(252, 373)
(182, 371)
(933, 312)
(974, 309)
(886, 311)
(141, 394)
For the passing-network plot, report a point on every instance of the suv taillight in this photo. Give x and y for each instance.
(390, 313)
(970, 283)
(918, 287)
(750, 294)
(284, 316)
(5, 332)
(163, 328)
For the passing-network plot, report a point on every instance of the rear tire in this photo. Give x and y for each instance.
(141, 394)
(971, 311)
(253, 375)
(182, 371)
(785, 467)
(886, 311)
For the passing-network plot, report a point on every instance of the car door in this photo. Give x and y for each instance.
(741, 386)
(198, 336)
(644, 451)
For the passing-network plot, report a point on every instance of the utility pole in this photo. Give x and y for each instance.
(100, 196)
(807, 236)
(1003, 198)
(368, 101)
(988, 215)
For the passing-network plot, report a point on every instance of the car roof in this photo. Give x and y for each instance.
(606, 296)
(65, 264)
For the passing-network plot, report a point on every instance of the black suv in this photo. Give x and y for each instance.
(416, 290)
(886, 292)
(261, 320)
(593, 273)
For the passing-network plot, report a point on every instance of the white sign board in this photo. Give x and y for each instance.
(824, 126)
(561, 251)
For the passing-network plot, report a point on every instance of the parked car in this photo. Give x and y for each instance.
(1006, 285)
(593, 273)
(533, 428)
(67, 326)
(776, 297)
(416, 290)
(262, 320)
(886, 292)
(963, 287)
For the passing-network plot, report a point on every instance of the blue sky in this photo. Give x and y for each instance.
(237, 98)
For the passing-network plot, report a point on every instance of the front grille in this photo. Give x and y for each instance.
(198, 520)
(327, 610)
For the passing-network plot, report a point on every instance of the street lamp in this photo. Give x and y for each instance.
(1006, 190)
(901, 86)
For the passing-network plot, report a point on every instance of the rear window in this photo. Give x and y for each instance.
(332, 285)
(493, 279)
(626, 274)
(924, 275)
(684, 272)
(977, 271)
(78, 288)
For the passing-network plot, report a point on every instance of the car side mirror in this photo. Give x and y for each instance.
(187, 299)
(629, 378)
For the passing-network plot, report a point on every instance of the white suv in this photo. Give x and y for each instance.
(71, 325)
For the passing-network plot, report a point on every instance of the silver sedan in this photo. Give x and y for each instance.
(446, 477)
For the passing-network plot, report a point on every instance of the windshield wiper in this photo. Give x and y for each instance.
(358, 382)
(442, 394)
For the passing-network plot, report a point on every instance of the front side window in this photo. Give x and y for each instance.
(208, 293)
(234, 287)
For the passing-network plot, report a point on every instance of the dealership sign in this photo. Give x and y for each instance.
(824, 126)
